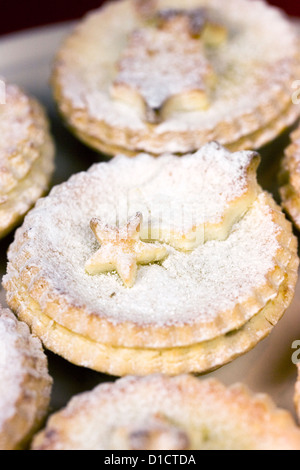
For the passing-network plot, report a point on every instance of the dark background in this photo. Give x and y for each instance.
(22, 14)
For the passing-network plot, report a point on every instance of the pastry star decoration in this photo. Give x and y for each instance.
(121, 249)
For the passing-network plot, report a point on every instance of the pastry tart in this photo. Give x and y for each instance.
(26, 155)
(169, 413)
(290, 178)
(25, 383)
(144, 265)
(124, 83)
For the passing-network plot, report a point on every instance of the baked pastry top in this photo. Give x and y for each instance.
(162, 413)
(25, 383)
(224, 249)
(26, 156)
(125, 83)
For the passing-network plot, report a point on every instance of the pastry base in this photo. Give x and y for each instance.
(80, 124)
(198, 358)
(132, 336)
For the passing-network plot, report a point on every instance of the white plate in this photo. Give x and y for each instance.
(26, 60)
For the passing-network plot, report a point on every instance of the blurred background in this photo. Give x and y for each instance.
(19, 15)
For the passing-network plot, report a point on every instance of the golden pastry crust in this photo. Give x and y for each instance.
(180, 332)
(178, 316)
(289, 179)
(27, 156)
(178, 413)
(252, 141)
(23, 277)
(26, 384)
(109, 131)
(120, 361)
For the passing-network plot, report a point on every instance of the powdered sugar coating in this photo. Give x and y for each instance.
(158, 67)
(210, 415)
(15, 121)
(25, 383)
(11, 371)
(24, 138)
(256, 61)
(181, 193)
(186, 287)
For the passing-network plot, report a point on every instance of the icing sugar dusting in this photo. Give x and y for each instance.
(186, 287)
(10, 369)
(159, 66)
(200, 408)
(15, 121)
(181, 193)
